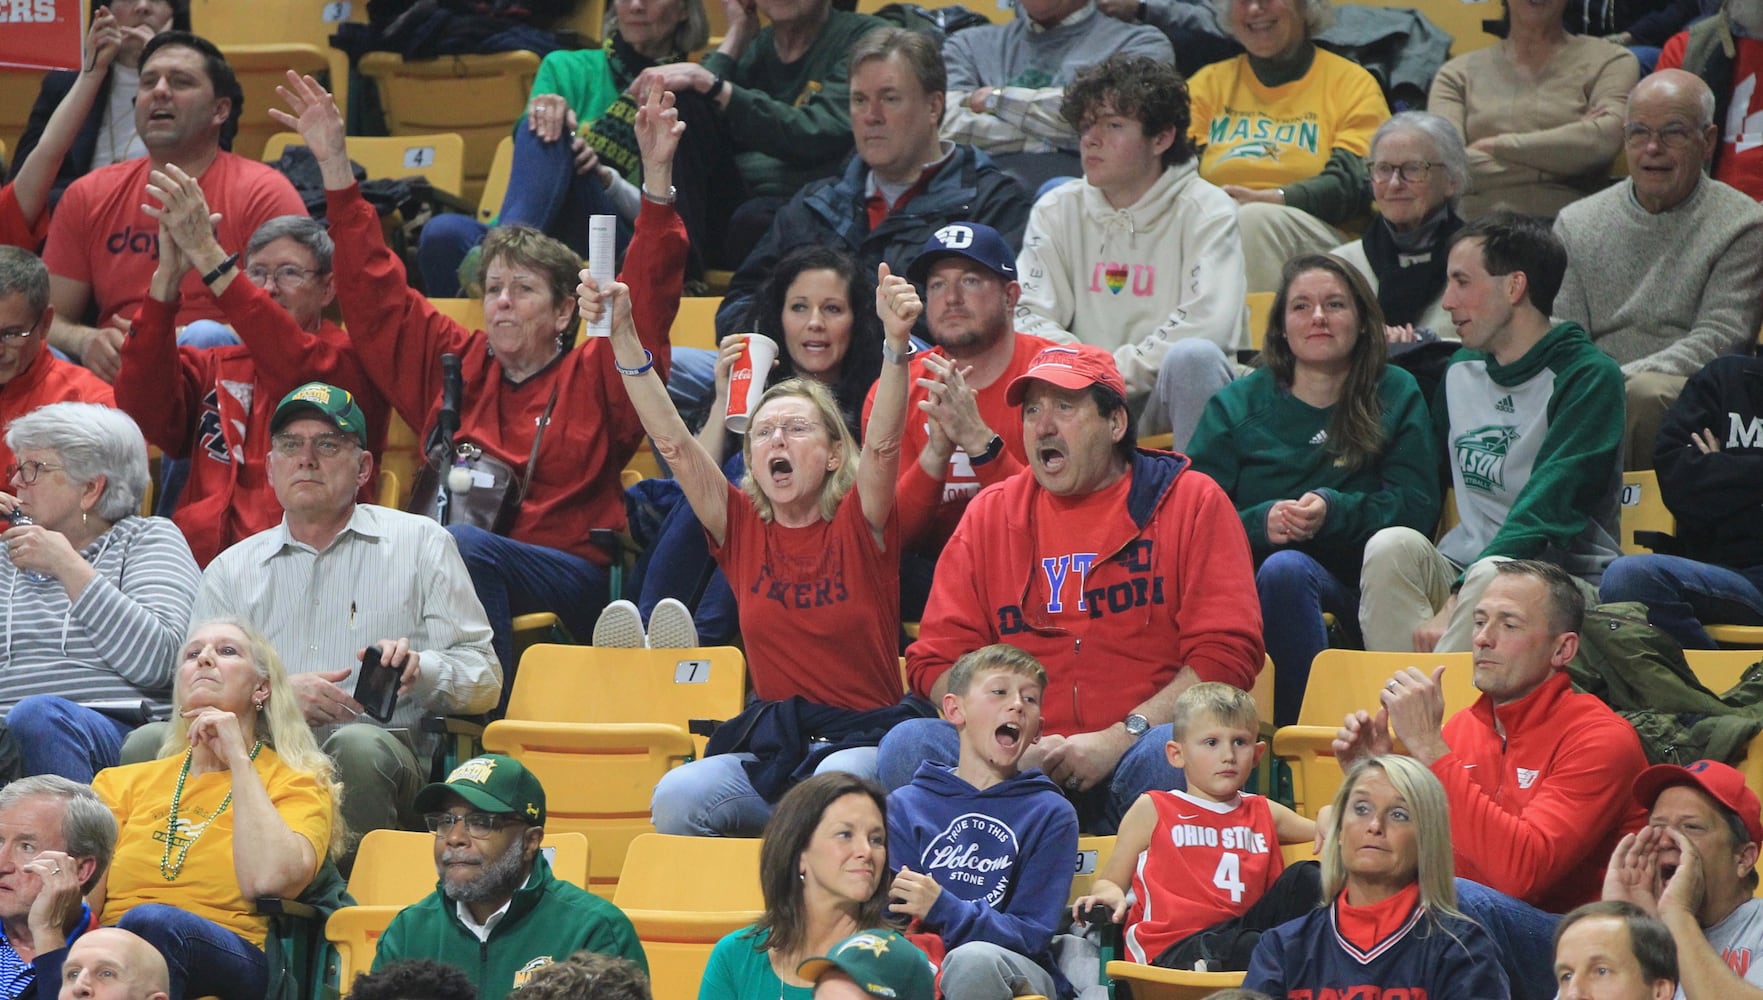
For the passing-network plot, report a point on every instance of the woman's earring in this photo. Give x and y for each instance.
(802, 876)
(258, 705)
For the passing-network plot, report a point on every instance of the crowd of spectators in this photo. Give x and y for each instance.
(1007, 274)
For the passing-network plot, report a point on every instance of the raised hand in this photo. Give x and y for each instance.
(313, 113)
(1362, 735)
(658, 131)
(182, 210)
(898, 305)
(950, 402)
(1633, 872)
(104, 39)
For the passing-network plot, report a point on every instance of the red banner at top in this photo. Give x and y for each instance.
(40, 34)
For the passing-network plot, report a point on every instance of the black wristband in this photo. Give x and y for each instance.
(716, 85)
(221, 269)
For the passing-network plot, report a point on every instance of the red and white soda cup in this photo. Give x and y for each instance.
(746, 381)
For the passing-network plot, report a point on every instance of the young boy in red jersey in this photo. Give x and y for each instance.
(1204, 864)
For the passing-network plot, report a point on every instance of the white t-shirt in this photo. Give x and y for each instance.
(1739, 940)
(117, 140)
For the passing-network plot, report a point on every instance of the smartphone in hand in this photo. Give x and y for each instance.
(376, 687)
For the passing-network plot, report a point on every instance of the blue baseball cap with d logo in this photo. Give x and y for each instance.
(965, 239)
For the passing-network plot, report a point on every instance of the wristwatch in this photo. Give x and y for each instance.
(994, 448)
(994, 97)
(894, 357)
(1137, 725)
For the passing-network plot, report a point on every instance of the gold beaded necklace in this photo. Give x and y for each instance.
(167, 869)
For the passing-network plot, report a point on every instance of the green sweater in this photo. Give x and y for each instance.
(792, 121)
(547, 921)
(1536, 454)
(1263, 444)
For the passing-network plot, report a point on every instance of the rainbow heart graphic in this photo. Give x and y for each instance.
(1115, 276)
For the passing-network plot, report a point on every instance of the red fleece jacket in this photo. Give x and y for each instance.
(1536, 814)
(1177, 588)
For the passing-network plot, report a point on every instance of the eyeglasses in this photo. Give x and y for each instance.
(478, 824)
(292, 445)
(1413, 171)
(27, 472)
(795, 430)
(1671, 136)
(287, 276)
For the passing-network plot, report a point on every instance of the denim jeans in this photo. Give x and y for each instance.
(514, 578)
(544, 192)
(1681, 593)
(1523, 934)
(1144, 766)
(202, 957)
(57, 736)
(1295, 590)
(712, 797)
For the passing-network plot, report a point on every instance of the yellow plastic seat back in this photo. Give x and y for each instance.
(1344, 681)
(438, 158)
(1643, 509)
(683, 894)
(260, 69)
(478, 96)
(599, 727)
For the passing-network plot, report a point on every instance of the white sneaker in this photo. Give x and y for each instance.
(671, 626)
(620, 627)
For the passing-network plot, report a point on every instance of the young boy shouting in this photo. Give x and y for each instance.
(985, 850)
(1204, 864)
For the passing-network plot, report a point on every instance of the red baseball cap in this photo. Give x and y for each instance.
(1725, 785)
(1068, 366)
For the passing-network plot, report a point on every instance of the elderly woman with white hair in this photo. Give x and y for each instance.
(97, 597)
(1419, 171)
(1284, 129)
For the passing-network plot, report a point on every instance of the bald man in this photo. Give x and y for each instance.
(1663, 319)
(109, 963)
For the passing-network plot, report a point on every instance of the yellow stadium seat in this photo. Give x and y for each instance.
(228, 23)
(586, 22)
(477, 96)
(1643, 509)
(496, 184)
(1720, 669)
(468, 313)
(599, 727)
(18, 92)
(1151, 983)
(260, 69)
(1739, 637)
(391, 492)
(695, 323)
(395, 868)
(683, 894)
(438, 158)
(1092, 856)
(1343, 681)
(402, 455)
(1260, 306)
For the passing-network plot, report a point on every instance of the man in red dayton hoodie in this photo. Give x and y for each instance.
(1123, 571)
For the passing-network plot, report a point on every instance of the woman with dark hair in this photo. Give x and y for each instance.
(815, 308)
(1392, 915)
(821, 870)
(1318, 450)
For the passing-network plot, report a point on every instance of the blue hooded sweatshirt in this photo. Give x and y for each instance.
(1003, 857)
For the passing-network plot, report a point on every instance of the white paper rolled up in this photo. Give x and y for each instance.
(602, 261)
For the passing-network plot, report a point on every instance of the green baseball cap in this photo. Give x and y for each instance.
(493, 783)
(882, 963)
(327, 402)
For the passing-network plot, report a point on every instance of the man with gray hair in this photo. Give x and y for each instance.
(31, 376)
(1663, 323)
(212, 407)
(56, 840)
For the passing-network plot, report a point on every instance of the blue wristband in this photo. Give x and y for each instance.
(648, 363)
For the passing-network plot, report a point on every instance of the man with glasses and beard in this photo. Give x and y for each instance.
(499, 914)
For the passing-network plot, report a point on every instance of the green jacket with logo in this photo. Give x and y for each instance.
(547, 921)
(1535, 453)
